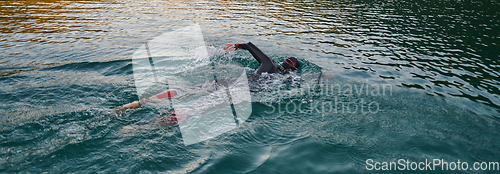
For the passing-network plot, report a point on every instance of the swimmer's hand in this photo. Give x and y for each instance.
(136, 104)
(121, 109)
(229, 47)
(232, 47)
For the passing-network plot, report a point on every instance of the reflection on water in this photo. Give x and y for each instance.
(60, 58)
(76, 19)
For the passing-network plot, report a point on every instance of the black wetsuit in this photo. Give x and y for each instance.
(266, 64)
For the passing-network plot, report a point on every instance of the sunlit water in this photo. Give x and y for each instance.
(420, 79)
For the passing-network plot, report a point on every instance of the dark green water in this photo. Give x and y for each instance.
(63, 63)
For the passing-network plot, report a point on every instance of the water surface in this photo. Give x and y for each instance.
(63, 63)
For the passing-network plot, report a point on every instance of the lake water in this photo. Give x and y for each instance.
(405, 81)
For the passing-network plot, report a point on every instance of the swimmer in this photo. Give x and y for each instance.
(266, 65)
(173, 118)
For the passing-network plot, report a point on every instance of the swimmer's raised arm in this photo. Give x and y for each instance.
(266, 64)
(256, 52)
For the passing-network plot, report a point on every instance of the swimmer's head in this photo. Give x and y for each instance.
(290, 64)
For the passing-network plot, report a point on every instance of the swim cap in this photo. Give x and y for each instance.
(291, 63)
